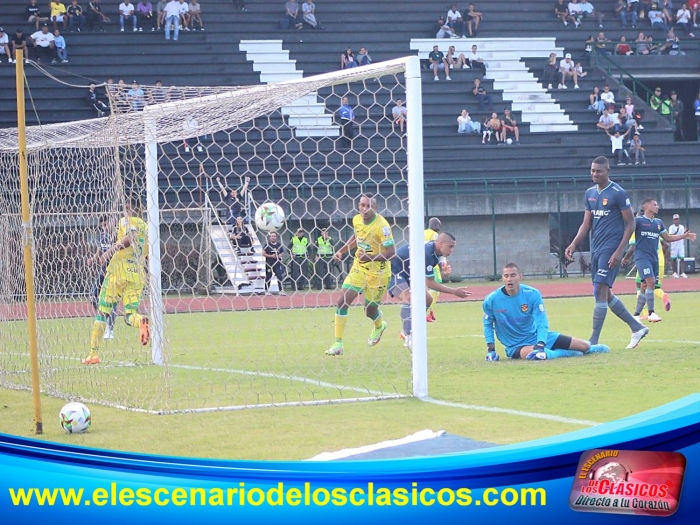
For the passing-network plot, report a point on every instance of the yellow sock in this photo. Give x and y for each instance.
(659, 294)
(134, 319)
(378, 321)
(98, 330)
(340, 322)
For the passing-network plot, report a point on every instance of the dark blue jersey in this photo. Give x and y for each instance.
(606, 207)
(401, 263)
(646, 238)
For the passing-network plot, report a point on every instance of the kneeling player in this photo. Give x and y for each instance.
(124, 279)
(515, 312)
(436, 253)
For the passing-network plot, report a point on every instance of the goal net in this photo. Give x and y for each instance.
(223, 333)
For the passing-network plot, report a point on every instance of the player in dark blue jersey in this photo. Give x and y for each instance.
(648, 230)
(515, 315)
(608, 216)
(436, 254)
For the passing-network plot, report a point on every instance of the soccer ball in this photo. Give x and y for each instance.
(269, 217)
(509, 141)
(75, 418)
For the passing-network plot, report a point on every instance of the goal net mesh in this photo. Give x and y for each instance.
(219, 341)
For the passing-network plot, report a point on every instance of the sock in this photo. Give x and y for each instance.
(406, 318)
(435, 296)
(98, 330)
(134, 319)
(599, 313)
(112, 320)
(378, 320)
(555, 354)
(341, 320)
(641, 301)
(618, 308)
(649, 294)
(659, 294)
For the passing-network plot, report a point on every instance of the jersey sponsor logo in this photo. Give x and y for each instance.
(600, 213)
(605, 202)
(523, 308)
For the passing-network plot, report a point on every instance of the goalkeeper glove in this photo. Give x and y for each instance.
(539, 347)
(491, 355)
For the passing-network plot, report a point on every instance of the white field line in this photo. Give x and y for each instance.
(423, 435)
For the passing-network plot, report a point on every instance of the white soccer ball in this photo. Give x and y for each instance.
(509, 141)
(75, 418)
(269, 217)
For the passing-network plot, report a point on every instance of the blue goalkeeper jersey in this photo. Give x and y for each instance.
(517, 321)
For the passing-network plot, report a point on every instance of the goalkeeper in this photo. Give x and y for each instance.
(125, 279)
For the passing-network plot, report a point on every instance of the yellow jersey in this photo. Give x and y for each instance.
(430, 235)
(128, 262)
(372, 238)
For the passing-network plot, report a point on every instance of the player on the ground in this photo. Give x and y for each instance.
(608, 217)
(515, 312)
(431, 234)
(677, 248)
(436, 254)
(370, 270)
(125, 279)
(105, 243)
(648, 230)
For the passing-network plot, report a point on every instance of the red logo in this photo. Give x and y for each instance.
(523, 308)
(605, 202)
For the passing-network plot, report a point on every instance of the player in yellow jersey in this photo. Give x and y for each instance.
(431, 234)
(125, 280)
(370, 272)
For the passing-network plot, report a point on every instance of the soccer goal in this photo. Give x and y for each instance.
(223, 336)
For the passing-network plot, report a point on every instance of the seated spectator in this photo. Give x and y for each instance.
(136, 97)
(44, 48)
(653, 48)
(58, 14)
(618, 151)
(94, 101)
(657, 18)
(19, 41)
(550, 73)
(455, 21)
(184, 15)
(160, 14)
(683, 17)
(561, 11)
(637, 150)
(580, 73)
(158, 95)
(76, 18)
(601, 44)
(608, 121)
(486, 131)
(475, 61)
(363, 58)
(588, 47)
(587, 10)
(575, 11)
(666, 7)
(567, 69)
(627, 13)
(60, 43)
(442, 30)
(484, 99)
(672, 46)
(438, 63)
(473, 19)
(623, 48)
(294, 14)
(240, 237)
(510, 126)
(5, 46)
(95, 17)
(627, 122)
(595, 102)
(608, 96)
(465, 124)
(126, 14)
(496, 125)
(459, 62)
(309, 11)
(145, 16)
(347, 60)
(629, 109)
(34, 14)
(641, 46)
(694, 7)
(399, 114)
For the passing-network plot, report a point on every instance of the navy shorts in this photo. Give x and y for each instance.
(549, 343)
(601, 271)
(398, 284)
(647, 268)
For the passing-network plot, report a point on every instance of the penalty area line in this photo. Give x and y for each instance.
(535, 415)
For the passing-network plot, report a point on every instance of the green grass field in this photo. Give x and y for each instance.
(214, 354)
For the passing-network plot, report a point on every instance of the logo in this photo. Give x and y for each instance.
(523, 308)
(658, 227)
(429, 268)
(486, 317)
(605, 202)
(600, 213)
(541, 307)
(628, 482)
(386, 231)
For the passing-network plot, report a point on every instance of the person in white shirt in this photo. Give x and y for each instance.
(399, 114)
(677, 247)
(184, 15)
(567, 69)
(172, 18)
(43, 44)
(683, 17)
(5, 45)
(126, 12)
(465, 124)
(617, 150)
(607, 96)
(575, 11)
(455, 21)
(475, 61)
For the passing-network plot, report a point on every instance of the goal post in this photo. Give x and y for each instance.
(218, 340)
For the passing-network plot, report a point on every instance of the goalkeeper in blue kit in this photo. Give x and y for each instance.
(515, 314)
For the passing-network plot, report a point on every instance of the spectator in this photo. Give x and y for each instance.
(575, 11)
(455, 21)
(347, 118)
(567, 69)
(666, 7)
(172, 19)
(184, 15)
(696, 107)
(94, 101)
(550, 73)
(618, 151)
(60, 43)
(309, 12)
(240, 237)
(475, 61)
(677, 108)
(626, 13)
(482, 97)
(95, 17)
(126, 13)
(231, 199)
(629, 109)
(76, 18)
(299, 248)
(655, 100)
(158, 94)
(44, 47)
(627, 120)
(347, 59)
(272, 252)
(136, 97)
(473, 19)
(601, 44)
(363, 58)
(645, 7)
(510, 125)
(442, 30)
(160, 14)
(608, 96)
(195, 15)
(190, 128)
(595, 102)
(588, 47)
(653, 48)
(657, 18)
(496, 125)
(399, 114)
(683, 17)
(608, 121)
(58, 14)
(5, 46)
(293, 14)
(641, 45)
(145, 16)
(561, 11)
(486, 131)
(580, 73)
(672, 46)
(438, 63)
(623, 48)
(19, 41)
(240, 5)
(459, 62)
(637, 149)
(587, 10)
(694, 7)
(324, 260)
(34, 15)
(466, 125)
